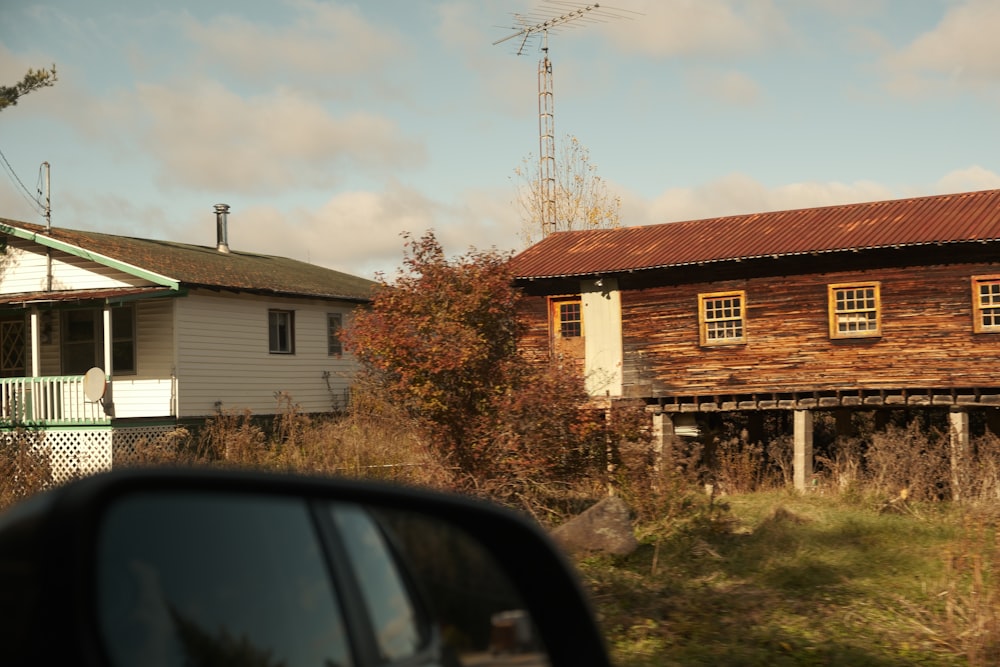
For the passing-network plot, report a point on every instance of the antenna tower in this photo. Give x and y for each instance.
(529, 27)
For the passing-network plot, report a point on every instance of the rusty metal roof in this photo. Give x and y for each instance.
(941, 219)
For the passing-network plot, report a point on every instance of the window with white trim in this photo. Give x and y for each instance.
(722, 318)
(281, 331)
(855, 310)
(986, 304)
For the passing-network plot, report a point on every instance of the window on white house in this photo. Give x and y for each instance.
(82, 340)
(281, 331)
(334, 323)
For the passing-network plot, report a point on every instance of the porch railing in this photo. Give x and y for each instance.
(51, 400)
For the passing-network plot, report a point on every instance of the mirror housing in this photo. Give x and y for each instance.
(50, 556)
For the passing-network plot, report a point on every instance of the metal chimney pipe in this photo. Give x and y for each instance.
(222, 227)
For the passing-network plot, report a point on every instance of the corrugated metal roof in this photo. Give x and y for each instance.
(941, 219)
(203, 266)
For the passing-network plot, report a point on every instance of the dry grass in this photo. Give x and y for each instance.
(24, 467)
(360, 445)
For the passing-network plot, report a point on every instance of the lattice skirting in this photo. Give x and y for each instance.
(131, 443)
(75, 452)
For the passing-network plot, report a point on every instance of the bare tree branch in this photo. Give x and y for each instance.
(582, 197)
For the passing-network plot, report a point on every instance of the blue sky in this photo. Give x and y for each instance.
(332, 127)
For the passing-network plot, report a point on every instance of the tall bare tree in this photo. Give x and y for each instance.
(32, 81)
(582, 199)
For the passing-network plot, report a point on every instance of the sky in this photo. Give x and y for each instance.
(334, 128)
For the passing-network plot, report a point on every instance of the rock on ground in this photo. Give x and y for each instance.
(606, 527)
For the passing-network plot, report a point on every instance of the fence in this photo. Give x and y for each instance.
(51, 401)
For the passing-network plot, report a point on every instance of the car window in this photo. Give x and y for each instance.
(390, 606)
(194, 579)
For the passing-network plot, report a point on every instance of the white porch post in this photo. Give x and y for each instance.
(109, 371)
(36, 343)
(107, 340)
(802, 457)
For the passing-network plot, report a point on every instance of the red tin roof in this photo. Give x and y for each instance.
(941, 219)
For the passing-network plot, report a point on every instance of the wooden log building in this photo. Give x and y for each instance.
(860, 306)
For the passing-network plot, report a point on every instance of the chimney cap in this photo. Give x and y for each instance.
(222, 228)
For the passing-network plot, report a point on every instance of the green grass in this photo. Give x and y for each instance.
(784, 579)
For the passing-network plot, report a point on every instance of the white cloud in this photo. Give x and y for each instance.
(669, 28)
(360, 232)
(325, 39)
(968, 180)
(729, 87)
(508, 82)
(207, 137)
(962, 51)
(738, 194)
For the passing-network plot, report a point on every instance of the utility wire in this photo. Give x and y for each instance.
(35, 204)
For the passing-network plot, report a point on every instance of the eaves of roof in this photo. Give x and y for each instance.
(938, 220)
(179, 265)
(110, 295)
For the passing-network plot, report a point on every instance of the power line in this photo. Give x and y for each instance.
(24, 192)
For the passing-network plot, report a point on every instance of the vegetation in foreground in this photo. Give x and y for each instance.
(848, 574)
(875, 565)
(778, 578)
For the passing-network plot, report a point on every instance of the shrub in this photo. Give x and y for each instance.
(911, 458)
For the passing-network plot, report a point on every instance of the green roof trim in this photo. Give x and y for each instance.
(83, 253)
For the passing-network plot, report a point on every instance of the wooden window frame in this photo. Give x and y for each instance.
(980, 311)
(705, 322)
(274, 342)
(835, 314)
(558, 323)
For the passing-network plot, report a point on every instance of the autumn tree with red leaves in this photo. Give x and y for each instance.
(441, 340)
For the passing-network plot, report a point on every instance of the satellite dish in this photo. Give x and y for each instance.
(94, 382)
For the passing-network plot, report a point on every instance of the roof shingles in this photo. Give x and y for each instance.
(202, 266)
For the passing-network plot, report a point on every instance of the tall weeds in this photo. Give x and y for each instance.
(24, 466)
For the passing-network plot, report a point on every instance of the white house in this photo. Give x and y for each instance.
(178, 332)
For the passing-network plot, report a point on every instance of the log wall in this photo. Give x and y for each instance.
(927, 337)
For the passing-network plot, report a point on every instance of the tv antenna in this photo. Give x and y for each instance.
(529, 27)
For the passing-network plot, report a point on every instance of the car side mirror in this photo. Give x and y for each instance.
(209, 567)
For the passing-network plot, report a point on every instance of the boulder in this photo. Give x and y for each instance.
(606, 527)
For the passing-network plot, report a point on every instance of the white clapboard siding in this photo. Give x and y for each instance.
(154, 344)
(151, 391)
(23, 269)
(223, 358)
(142, 398)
